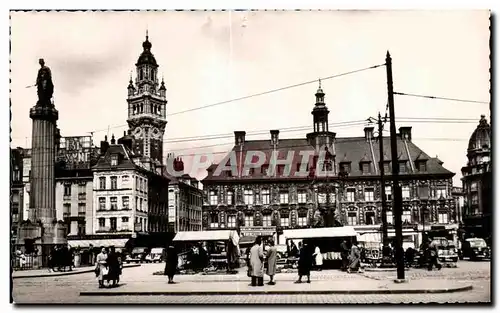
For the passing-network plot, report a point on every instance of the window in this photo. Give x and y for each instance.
(214, 220)
(248, 220)
(422, 166)
(125, 180)
(248, 196)
(473, 186)
(213, 197)
(125, 203)
(443, 218)
(112, 223)
(230, 198)
(114, 160)
(389, 218)
(366, 168)
(114, 203)
(352, 218)
(102, 203)
(102, 222)
(402, 167)
(265, 196)
(266, 220)
(66, 210)
(369, 194)
(81, 229)
(264, 169)
(302, 219)
(125, 219)
(140, 205)
(284, 198)
(345, 167)
(302, 197)
(388, 193)
(137, 204)
(387, 168)
(441, 192)
(67, 190)
(102, 182)
(370, 218)
(406, 217)
(137, 183)
(231, 221)
(321, 198)
(114, 182)
(81, 209)
(475, 199)
(285, 222)
(405, 191)
(350, 194)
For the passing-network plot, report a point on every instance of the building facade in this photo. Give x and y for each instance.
(477, 183)
(16, 190)
(185, 200)
(324, 180)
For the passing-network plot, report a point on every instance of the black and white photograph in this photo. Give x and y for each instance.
(250, 156)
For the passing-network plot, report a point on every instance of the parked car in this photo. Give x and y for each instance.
(475, 249)
(447, 252)
(138, 255)
(156, 255)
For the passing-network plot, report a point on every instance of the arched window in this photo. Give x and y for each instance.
(140, 74)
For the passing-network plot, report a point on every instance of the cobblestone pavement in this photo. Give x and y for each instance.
(66, 289)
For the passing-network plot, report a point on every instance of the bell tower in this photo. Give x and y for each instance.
(147, 107)
(321, 135)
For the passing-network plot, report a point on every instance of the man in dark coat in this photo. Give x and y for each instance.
(171, 263)
(305, 263)
(344, 253)
(114, 267)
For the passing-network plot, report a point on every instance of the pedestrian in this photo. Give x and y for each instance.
(101, 266)
(257, 263)
(113, 266)
(344, 254)
(318, 258)
(433, 256)
(171, 263)
(409, 256)
(272, 257)
(354, 258)
(305, 262)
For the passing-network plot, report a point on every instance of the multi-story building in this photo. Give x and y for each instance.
(477, 183)
(185, 199)
(458, 195)
(325, 180)
(74, 184)
(26, 153)
(16, 190)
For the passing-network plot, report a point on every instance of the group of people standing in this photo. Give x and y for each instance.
(351, 256)
(108, 267)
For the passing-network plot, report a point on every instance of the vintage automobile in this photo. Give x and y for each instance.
(475, 249)
(448, 253)
(156, 255)
(138, 255)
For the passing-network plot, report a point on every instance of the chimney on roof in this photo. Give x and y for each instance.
(239, 137)
(113, 141)
(274, 136)
(104, 145)
(405, 132)
(369, 133)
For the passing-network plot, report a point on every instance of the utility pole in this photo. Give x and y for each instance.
(398, 201)
(382, 186)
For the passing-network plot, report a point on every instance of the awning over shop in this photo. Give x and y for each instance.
(245, 240)
(117, 243)
(370, 237)
(327, 232)
(209, 235)
(405, 233)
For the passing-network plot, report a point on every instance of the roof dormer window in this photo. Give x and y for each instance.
(114, 159)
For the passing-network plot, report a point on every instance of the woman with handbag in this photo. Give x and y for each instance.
(101, 269)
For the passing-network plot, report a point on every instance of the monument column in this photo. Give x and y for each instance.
(42, 230)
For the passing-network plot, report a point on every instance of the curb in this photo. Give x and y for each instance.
(382, 270)
(274, 292)
(67, 273)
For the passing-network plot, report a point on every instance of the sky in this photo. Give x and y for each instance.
(209, 57)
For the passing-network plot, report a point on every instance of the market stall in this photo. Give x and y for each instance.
(328, 239)
(221, 248)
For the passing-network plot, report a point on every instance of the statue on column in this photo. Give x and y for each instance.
(45, 88)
